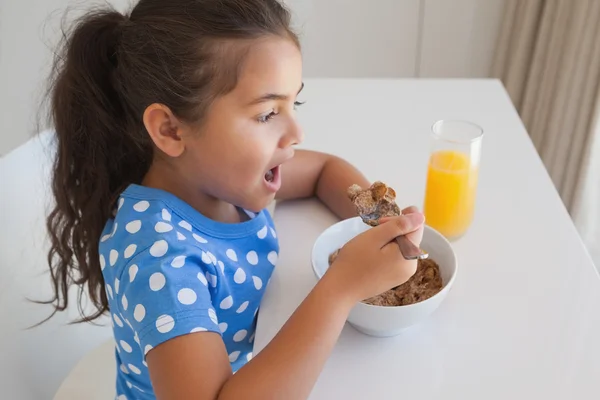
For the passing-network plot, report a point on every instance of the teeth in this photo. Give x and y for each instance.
(269, 176)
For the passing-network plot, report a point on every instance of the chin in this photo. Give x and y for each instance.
(258, 204)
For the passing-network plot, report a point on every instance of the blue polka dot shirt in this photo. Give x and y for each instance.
(170, 271)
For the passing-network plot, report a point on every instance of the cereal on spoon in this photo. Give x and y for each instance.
(372, 204)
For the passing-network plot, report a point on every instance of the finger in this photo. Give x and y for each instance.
(397, 226)
(407, 210)
(410, 210)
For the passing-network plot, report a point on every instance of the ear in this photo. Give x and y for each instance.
(164, 129)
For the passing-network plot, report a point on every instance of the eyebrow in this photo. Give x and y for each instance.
(273, 96)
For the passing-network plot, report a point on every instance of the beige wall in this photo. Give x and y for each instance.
(341, 38)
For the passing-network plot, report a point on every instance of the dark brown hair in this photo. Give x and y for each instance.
(109, 68)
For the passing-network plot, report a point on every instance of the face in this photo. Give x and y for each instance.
(248, 133)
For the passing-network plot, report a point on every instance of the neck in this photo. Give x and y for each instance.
(166, 178)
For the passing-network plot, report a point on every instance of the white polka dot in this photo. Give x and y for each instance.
(102, 262)
(185, 225)
(273, 233)
(243, 307)
(165, 323)
(205, 258)
(145, 365)
(159, 248)
(133, 226)
(128, 385)
(221, 266)
(166, 215)
(212, 279)
(198, 329)
(141, 206)
(223, 326)
(234, 356)
(139, 312)
(121, 201)
(114, 229)
(157, 281)
(109, 291)
(128, 323)
(272, 257)
(180, 236)
(162, 227)
(255, 312)
(252, 257)
(113, 257)
(199, 238)
(178, 262)
(134, 369)
(239, 276)
(147, 349)
(213, 316)
(226, 303)
(133, 270)
(202, 279)
(240, 335)
(251, 338)
(124, 303)
(105, 238)
(124, 369)
(186, 296)
(257, 282)
(231, 255)
(213, 259)
(129, 250)
(262, 233)
(118, 320)
(249, 356)
(136, 338)
(117, 284)
(122, 396)
(125, 346)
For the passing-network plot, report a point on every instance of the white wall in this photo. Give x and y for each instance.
(341, 38)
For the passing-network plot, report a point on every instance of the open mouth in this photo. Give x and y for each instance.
(273, 178)
(270, 175)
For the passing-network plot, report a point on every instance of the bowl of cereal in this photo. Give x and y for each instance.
(395, 310)
(391, 312)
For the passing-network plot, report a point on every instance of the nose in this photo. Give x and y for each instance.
(293, 135)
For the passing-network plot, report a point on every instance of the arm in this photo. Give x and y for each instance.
(322, 175)
(195, 366)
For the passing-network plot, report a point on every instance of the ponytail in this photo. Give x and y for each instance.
(96, 157)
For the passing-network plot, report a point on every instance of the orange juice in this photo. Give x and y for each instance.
(450, 192)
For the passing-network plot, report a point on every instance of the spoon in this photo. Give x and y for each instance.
(407, 248)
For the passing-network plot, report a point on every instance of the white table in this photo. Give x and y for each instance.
(523, 319)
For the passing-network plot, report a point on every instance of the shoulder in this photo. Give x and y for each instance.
(147, 225)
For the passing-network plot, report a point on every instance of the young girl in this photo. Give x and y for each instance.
(175, 127)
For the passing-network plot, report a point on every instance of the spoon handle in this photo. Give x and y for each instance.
(409, 250)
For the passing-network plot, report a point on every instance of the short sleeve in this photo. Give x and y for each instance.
(166, 295)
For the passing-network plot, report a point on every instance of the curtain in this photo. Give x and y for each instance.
(548, 57)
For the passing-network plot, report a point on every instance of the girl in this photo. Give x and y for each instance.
(175, 127)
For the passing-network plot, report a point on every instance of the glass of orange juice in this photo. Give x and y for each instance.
(452, 177)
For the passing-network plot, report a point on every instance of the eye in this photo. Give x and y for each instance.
(298, 104)
(263, 119)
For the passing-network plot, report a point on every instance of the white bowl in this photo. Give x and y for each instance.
(383, 321)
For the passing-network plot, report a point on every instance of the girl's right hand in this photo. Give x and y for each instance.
(371, 263)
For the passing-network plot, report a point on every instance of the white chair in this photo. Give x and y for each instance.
(34, 362)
